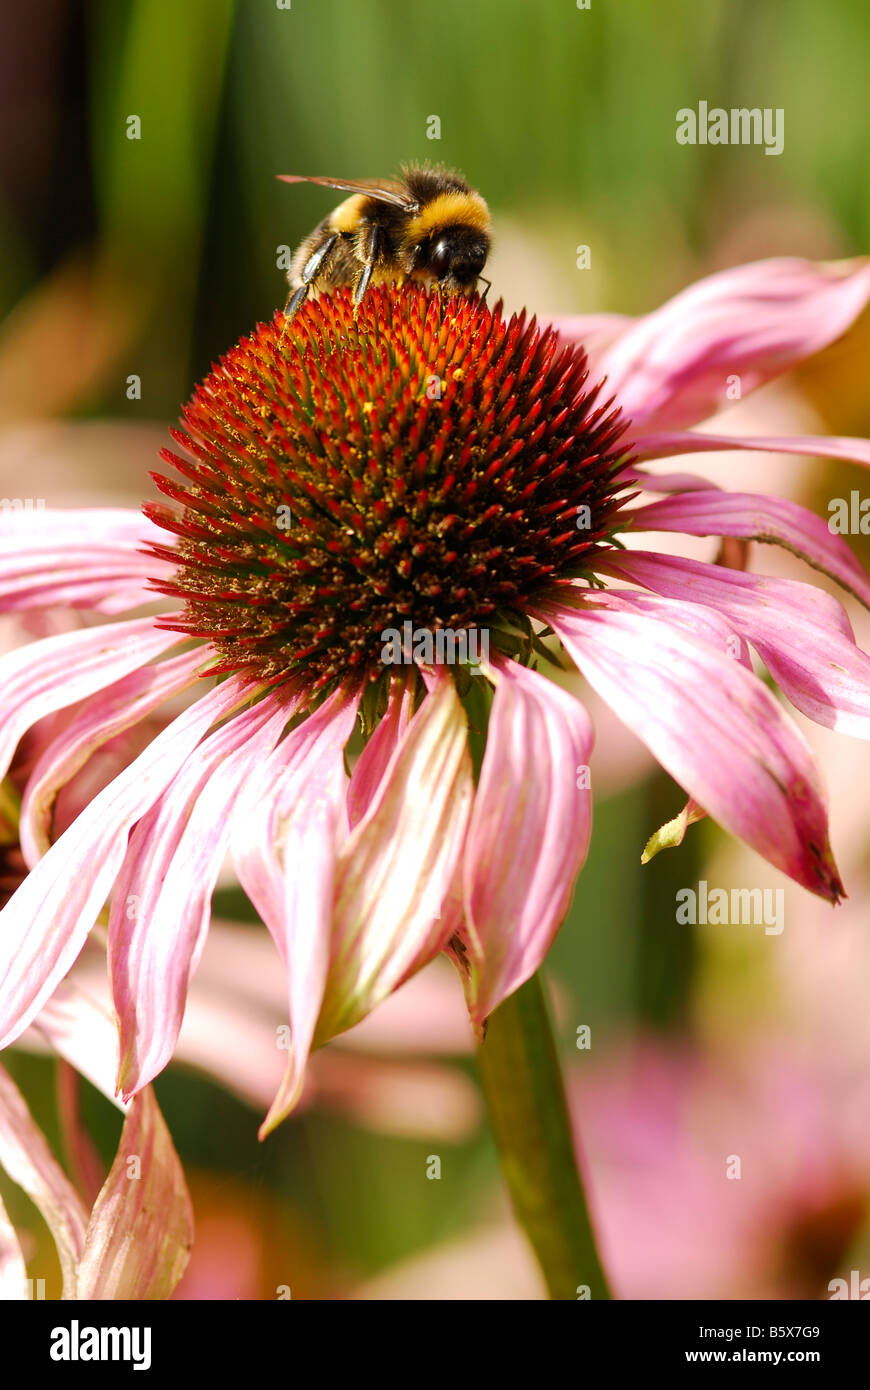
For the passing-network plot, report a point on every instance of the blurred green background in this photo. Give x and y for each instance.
(565, 118)
(151, 256)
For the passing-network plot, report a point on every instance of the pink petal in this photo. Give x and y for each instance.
(89, 558)
(46, 922)
(141, 1228)
(162, 900)
(45, 676)
(656, 446)
(670, 369)
(802, 634)
(309, 856)
(529, 832)
(30, 1164)
(374, 759)
(285, 839)
(100, 718)
(711, 724)
(759, 518)
(665, 482)
(396, 867)
(270, 796)
(592, 332)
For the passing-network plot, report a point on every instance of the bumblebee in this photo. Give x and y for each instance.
(429, 225)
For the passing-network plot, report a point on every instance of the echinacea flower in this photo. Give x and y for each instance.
(424, 467)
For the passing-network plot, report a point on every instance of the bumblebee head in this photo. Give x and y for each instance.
(454, 256)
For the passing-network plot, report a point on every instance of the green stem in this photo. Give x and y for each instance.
(529, 1116)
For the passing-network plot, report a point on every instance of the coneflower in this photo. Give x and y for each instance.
(430, 463)
(421, 461)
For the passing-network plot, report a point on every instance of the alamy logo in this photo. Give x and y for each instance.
(76, 1343)
(854, 1287)
(22, 504)
(849, 517)
(742, 907)
(444, 646)
(742, 125)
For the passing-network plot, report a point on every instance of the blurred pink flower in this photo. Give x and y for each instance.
(743, 1176)
(329, 496)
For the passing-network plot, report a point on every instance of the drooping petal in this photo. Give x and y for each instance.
(254, 835)
(286, 835)
(670, 369)
(162, 900)
(374, 759)
(529, 832)
(397, 864)
(826, 446)
(45, 676)
(47, 920)
(754, 517)
(84, 558)
(802, 634)
(141, 1228)
(715, 727)
(269, 799)
(26, 1157)
(107, 713)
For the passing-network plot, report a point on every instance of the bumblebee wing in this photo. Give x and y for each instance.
(385, 190)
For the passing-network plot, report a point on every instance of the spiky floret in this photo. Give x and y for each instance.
(424, 460)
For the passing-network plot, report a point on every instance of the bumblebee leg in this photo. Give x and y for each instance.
(296, 298)
(316, 259)
(361, 284)
(373, 251)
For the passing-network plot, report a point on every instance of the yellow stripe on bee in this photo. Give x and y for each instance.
(449, 210)
(387, 275)
(345, 218)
